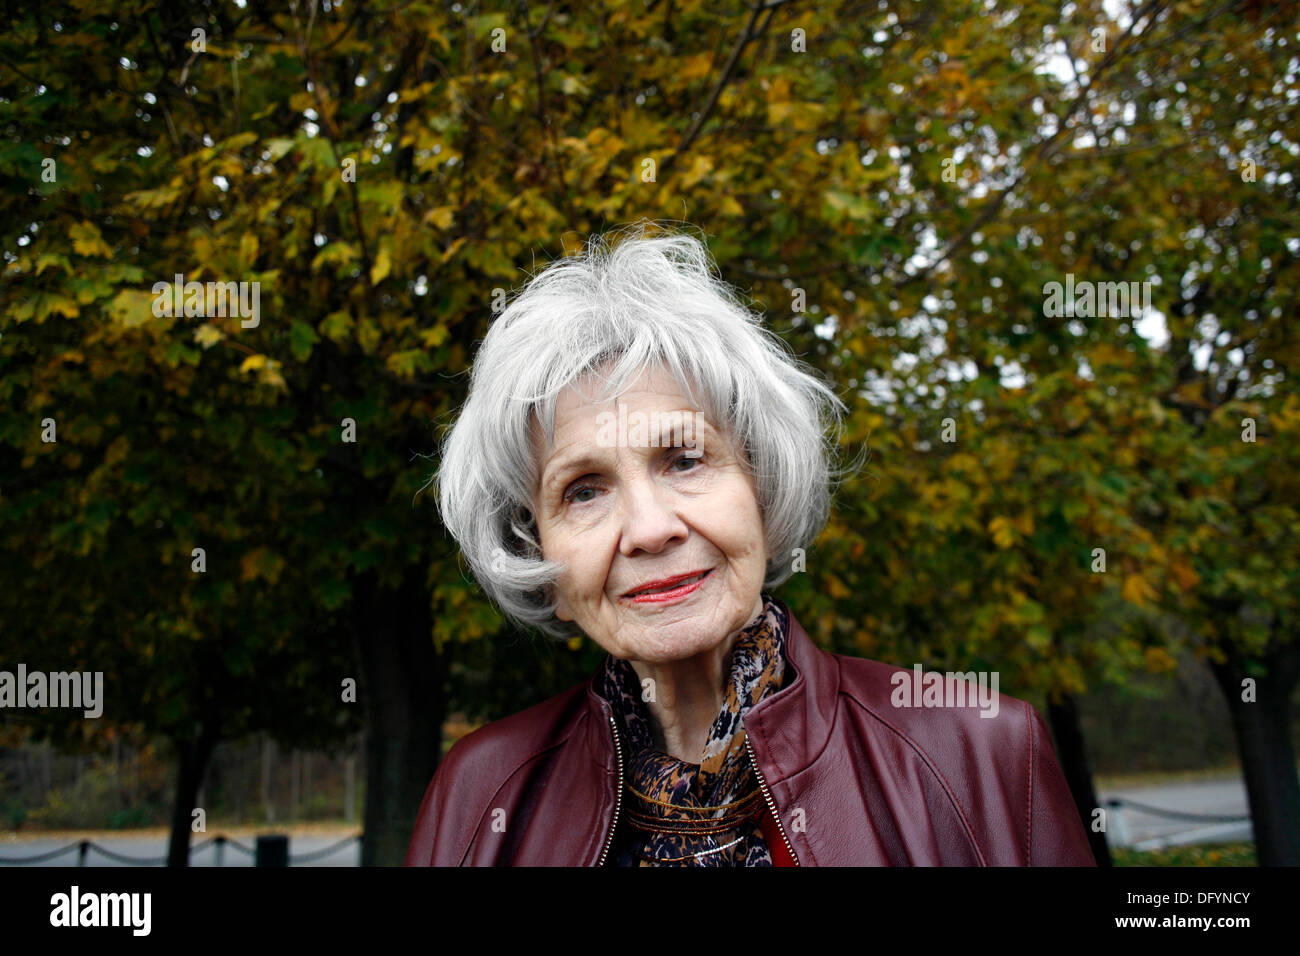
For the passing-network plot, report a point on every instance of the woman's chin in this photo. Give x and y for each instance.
(679, 631)
(667, 644)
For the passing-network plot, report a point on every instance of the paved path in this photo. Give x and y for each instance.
(154, 847)
(1220, 797)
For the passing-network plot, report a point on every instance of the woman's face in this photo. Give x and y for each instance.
(621, 513)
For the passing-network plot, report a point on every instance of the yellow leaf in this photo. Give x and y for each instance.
(700, 168)
(260, 562)
(571, 85)
(131, 308)
(383, 265)
(440, 217)
(252, 363)
(271, 376)
(800, 117)
(453, 249)
(693, 67)
(836, 588)
(1136, 590)
(117, 450)
(434, 337)
(47, 259)
(247, 250)
(208, 335)
(278, 147)
(1185, 575)
(50, 303)
(368, 335)
(86, 240)
(1159, 661)
(779, 90)
(1003, 531)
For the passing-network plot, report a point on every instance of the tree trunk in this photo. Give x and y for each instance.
(1268, 760)
(192, 761)
(268, 761)
(242, 782)
(401, 679)
(1073, 757)
(350, 788)
(295, 786)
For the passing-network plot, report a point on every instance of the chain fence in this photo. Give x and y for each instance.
(84, 847)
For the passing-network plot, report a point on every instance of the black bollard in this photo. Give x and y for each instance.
(272, 850)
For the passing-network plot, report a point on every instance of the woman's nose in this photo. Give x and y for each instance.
(650, 519)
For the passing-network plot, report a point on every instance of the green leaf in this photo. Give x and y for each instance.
(337, 326)
(278, 147)
(301, 339)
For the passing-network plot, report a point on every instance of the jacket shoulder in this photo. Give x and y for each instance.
(495, 749)
(936, 705)
(949, 721)
(478, 766)
(978, 743)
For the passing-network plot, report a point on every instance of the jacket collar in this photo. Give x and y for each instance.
(787, 730)
(790, 729)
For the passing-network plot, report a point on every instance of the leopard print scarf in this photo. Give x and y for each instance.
(723, 783)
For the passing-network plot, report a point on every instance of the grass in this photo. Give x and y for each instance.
(1154, 778)
(1203, 854)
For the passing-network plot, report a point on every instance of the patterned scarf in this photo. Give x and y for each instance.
(723, 783)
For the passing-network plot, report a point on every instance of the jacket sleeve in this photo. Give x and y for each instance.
(1056, 834)
(440, 837)
(420, 850)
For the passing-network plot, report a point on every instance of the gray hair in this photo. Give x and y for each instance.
(639, 300)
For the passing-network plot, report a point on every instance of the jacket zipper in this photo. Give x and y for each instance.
(767, 795)
(618, 804)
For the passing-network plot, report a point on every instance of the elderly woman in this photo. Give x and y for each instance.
(636, 462)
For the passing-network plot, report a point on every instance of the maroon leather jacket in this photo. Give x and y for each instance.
(852, 780)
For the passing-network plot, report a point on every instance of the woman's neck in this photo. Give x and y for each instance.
(685, 696)
(684, 699)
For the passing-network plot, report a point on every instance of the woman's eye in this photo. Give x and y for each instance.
(572, 495)
(693, 458)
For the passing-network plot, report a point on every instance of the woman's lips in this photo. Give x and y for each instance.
(672, 593)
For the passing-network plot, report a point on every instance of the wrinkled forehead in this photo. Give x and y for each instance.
(595, 392)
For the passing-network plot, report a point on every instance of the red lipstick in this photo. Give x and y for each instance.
(654, 592)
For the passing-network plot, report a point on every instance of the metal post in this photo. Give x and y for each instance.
(1117, 830)
(272, 850)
